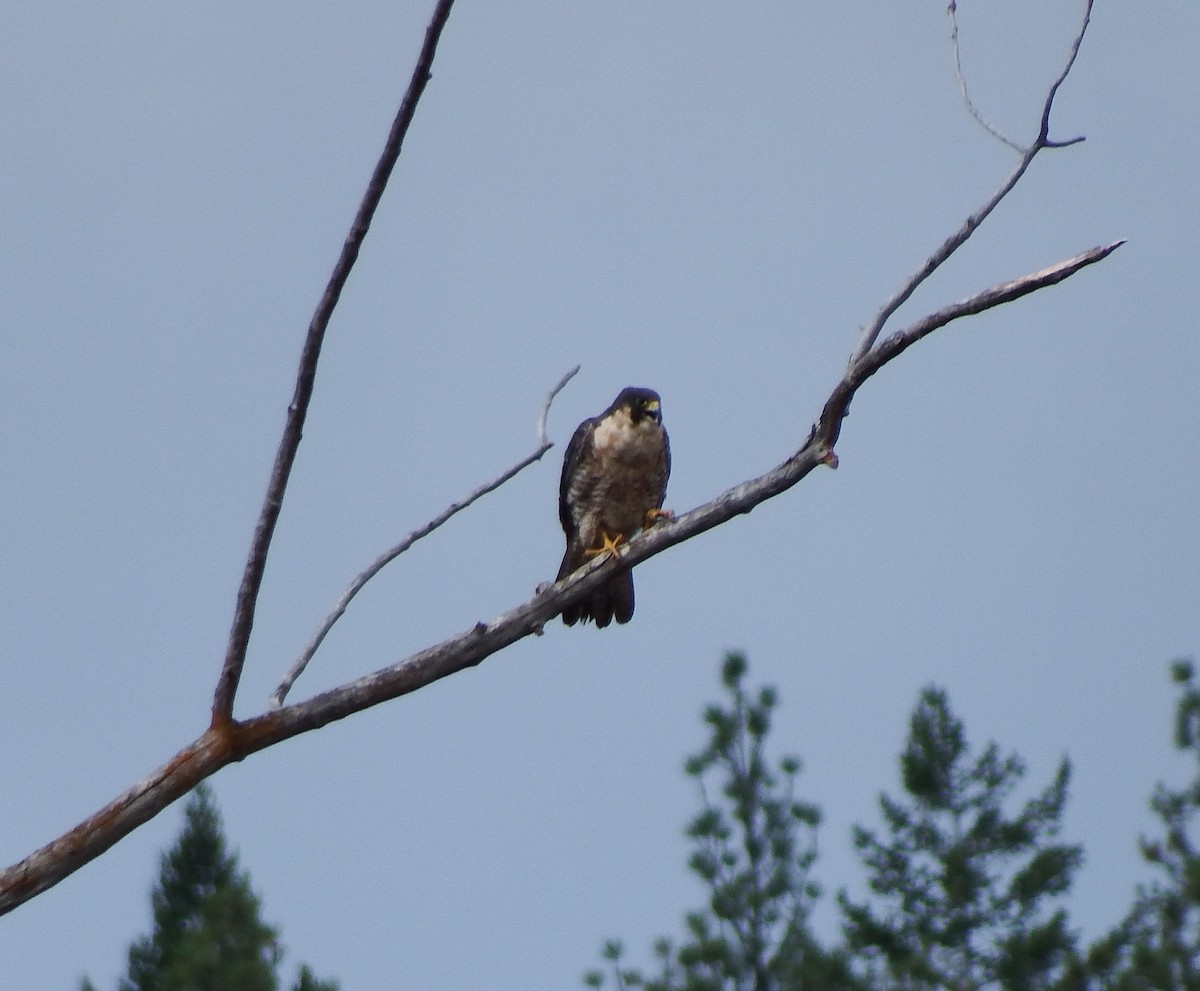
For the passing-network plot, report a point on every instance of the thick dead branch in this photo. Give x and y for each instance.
(256, 562)
(544, 445)
(234, 741)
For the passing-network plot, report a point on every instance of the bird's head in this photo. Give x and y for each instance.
(643, 404)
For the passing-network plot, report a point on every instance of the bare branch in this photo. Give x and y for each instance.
(553, 394)
(220, 746)
(119, 818)
(256, 562)
(289, 679)
(931, 264)
(956, 240)
(1043, 139)
(987, 125)
(226, 740)
(997, 295)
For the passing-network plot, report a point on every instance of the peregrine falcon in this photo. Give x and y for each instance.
(614, 479)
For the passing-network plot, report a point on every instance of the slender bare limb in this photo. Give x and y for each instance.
(256, 562)
(543, 439)
(931, 264)
(544, 445)
(1043, 139)
(223, 745)
(983, 122)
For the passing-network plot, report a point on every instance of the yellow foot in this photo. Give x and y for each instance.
(654, 515)
(608, 547)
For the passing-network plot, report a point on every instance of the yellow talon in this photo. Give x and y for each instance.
(608, 547)
(654, 515)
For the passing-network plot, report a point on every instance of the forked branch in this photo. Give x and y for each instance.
(960, 237)
(384, 559)
(289, 443)
(218, 747)
(226, 740)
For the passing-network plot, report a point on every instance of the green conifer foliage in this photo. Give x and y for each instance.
(963, 888)
(753, 847)
(208, 932)
(1157, 947)
(306, 980)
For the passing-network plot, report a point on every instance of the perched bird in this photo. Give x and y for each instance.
(614, 479)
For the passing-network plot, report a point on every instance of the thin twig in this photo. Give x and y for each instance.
(220, 746)
(1044, 131)
(544, 445)
(256, 562)
(931, 264)
(983, 122)
(550, 397)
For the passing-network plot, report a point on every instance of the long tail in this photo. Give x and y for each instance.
(612, 600)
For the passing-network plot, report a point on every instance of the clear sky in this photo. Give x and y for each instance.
(705, 198)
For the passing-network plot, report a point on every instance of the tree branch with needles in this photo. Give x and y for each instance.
(228, 740)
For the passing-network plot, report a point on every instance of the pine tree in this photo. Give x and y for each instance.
(1157, 946)
(963, 890)
(754, 847)
(306, 980)
(208, 932)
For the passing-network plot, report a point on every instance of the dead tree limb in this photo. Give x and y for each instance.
(384, 559)
(227, 740)
(960, 237)
(285, 457)
(223, 745)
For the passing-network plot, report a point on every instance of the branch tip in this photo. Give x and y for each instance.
(1064, 144)
(545, 413)
(961, 77)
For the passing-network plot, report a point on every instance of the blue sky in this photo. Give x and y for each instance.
(705, 198)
